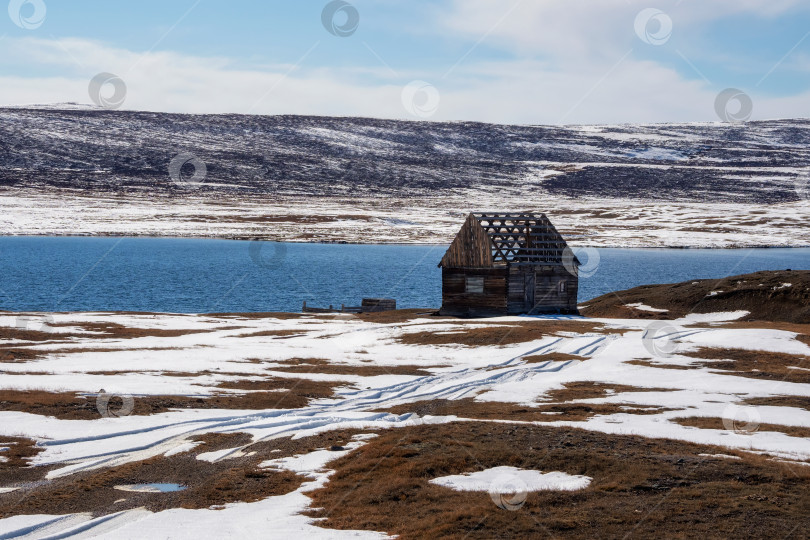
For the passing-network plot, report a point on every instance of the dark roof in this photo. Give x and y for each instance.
(512, 238)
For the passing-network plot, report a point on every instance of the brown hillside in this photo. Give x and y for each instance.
(763, 294)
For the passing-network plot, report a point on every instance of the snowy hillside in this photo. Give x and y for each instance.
(380, 180)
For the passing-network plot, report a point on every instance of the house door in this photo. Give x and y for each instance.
(528, 291)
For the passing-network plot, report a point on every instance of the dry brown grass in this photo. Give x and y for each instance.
(261, 316)
(107, 330)
(551, 357)
(501, 334)
(118, 331)
(21, 334)
(755, 364)
(482, 410)
(262, 394)
(717, 423)
(24, 354)
(761, 325)
(64, 405)
(760, 294)
(228, 481)
(274, 333)
(560, 409)
(799, 402)
(647, 363)
(590, 390)
(18, 456)
(641, 487)
(555, 406)
(16, 355)
(401, 316)
(320, 365)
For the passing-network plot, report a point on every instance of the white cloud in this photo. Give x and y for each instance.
(566, 29)
(526, 91)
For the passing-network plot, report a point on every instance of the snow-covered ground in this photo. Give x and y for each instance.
(584, 221)
(227, 348)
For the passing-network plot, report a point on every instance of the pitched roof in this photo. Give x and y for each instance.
(493, 239)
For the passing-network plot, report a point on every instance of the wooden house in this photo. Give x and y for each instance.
(508, 264)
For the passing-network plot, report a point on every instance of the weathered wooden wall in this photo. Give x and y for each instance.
(548, 296)
(471, 247)
(456, 301)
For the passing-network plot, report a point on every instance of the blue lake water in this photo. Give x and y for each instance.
(201, 276)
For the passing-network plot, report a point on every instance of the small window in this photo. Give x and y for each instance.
(563, 286)
(475, 284)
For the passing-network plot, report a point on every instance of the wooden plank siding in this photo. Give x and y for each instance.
(458, 302)
(471, 248)
(549, 296)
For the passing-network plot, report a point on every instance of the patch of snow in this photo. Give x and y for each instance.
(642, 307)
(720, 456)
(503, 480)
(181, 448)
(723, 316)
(219, 455)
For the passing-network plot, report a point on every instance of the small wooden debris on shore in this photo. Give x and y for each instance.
(368, 305)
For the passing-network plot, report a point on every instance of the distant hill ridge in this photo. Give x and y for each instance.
(91, 150)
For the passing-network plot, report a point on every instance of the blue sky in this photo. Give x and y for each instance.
(509, 61)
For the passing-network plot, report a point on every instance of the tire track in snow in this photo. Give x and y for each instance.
(351, 409)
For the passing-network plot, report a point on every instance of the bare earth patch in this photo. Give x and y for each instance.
(641, 487)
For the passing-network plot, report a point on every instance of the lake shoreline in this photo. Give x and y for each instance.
(239, 238)
(181, 275)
